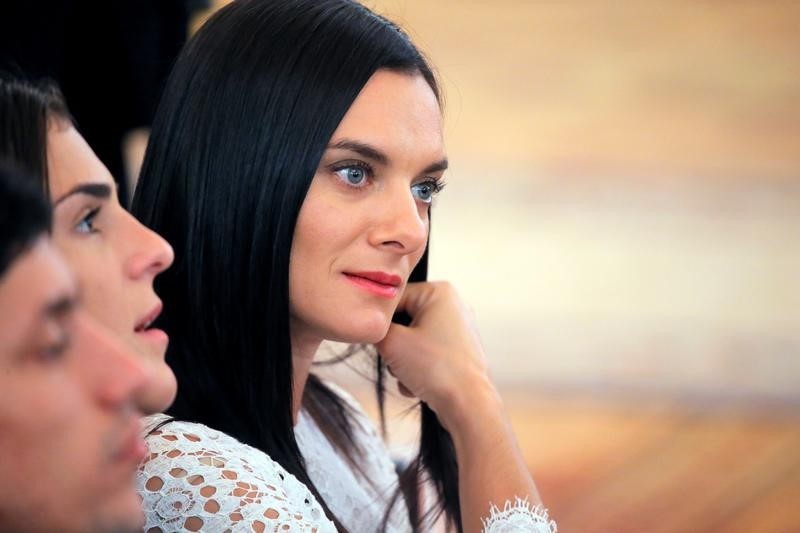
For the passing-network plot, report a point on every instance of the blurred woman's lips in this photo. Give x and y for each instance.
(153, 335)
(131, 448)
(376, 283)
(149, 318)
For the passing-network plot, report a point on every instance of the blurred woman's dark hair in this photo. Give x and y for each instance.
(26, 111)
(24, 214)
(245, 117)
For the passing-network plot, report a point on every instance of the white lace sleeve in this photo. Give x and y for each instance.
(358, 499)
(518, 517)
(196, 478)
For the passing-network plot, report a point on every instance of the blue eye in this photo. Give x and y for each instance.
(86, 224)
(426, 190)
(354, 175)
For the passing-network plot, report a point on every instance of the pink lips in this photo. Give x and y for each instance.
(131, 448)
(153, 334)
(149, 318)
(377, 283)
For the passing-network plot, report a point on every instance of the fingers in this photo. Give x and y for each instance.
(392, 343)
(405, 391)
(415, 297)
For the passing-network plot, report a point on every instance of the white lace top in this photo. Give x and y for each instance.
(198, 479)
(359, 503)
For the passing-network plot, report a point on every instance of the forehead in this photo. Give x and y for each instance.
(395, 110)
(70, 160)
(36, 278)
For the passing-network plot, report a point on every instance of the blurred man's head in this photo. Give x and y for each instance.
(68, 433)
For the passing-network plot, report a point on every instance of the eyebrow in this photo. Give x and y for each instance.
(98, 190)
(61, 306)
(370, 152)
(363, 149)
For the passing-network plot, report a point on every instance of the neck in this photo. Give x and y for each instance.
(303, 350)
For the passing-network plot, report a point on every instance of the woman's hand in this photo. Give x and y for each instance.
(439, 357)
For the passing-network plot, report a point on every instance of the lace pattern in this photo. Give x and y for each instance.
(359, 503)
(199, 479)
(518, 517)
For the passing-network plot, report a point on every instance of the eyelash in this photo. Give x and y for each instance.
(360, 165)
(88, 219)
(55, 350)
(436, 184)
(436, 188)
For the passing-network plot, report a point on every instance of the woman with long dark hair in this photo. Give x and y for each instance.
(292, 165)
(114, 257)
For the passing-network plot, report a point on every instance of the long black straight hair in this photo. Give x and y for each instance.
(244, 120)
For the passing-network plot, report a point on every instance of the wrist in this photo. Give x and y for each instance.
(469, 405)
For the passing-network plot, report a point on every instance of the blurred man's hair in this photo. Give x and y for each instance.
(24, 214)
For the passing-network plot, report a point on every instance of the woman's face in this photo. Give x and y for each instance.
(114, 257)
(364, 223)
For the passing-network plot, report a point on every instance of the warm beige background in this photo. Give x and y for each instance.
(623, 209)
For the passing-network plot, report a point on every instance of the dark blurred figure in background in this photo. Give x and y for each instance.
(109, 57)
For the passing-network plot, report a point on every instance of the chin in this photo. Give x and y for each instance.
(367, 331)
(161, 392)
(374, 338)
(123, 515)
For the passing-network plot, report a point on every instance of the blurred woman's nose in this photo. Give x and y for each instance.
(115, 374)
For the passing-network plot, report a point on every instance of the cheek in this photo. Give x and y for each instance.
(100, 277)
(417, 256)
(302, 254)
(302, 260)
(415, 260)
(324, 229)
(319, 222)
(87, 259)
(94, 275)
(41, 429)
(320, 243)
(101, 298)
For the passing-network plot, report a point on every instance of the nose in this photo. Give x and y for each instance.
(401, 221)
(115, 375)
(149, 255)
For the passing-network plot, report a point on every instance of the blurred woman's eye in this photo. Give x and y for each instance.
(353, 174)
(86, 224)
(424, 191)
(54, 350)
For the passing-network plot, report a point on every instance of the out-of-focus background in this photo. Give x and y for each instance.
(623, 208)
